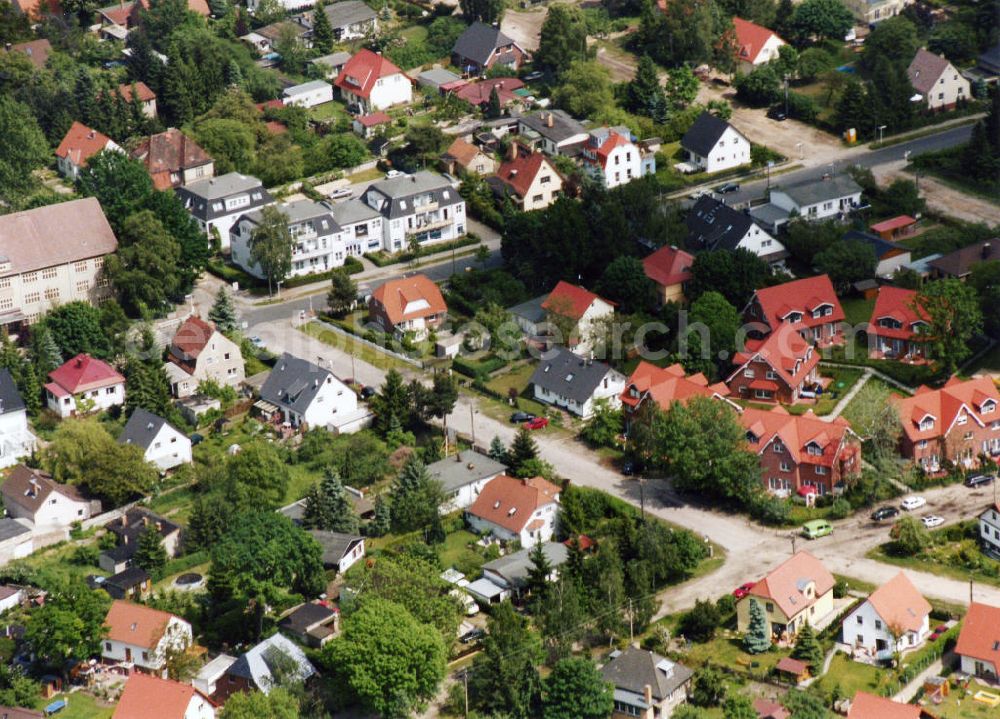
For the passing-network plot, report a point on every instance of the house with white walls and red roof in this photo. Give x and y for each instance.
(371, 82)
(84, 380)
(755, 44)
(612, 158)
(569, 303)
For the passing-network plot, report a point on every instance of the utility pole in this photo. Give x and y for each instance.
(472, 423)
(793, 543)
(786, 94)
(465, 681)
(631, 635)
(970, 591)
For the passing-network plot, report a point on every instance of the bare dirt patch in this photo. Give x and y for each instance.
(942, 198)
(524, 26)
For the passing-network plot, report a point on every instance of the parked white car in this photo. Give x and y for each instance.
(932, 520)
(911, 503)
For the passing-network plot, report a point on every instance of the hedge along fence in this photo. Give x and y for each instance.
(384, 259)
(230, 273)
(478, 370)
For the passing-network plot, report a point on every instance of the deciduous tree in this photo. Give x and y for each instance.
(954, 318)
(23, 151)
(278, 703)
(271, 245)
(576, 690)
(625, 282)
(486, 11)
(256, 477)
(735, 275)
(847, 262)
(821, 19)
(563, 39)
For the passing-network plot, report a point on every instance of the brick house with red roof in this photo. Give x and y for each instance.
(573, 308)
(529, 179)
(799, 451)
(173, 700)
(371, 82)
(777, 368)
(957, 423)
(666, 385)
(78, 146)
(670, 270)
(173, 159)
(810, 305)
(84, 377)
(978, 644)
(610, 156)
(755, 45)
(516, 509)
(893, 331)
(408, 305)
(199, 353)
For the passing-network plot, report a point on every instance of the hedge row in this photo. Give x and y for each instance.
(231, 273)
(477, 369)
(384, 259)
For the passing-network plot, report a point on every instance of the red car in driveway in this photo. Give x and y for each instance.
(536, 423)
(743, 590)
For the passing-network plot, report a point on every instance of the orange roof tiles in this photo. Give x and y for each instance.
(509, 502)
(802, 296)
(898, 304)
(462, 152)
(668, 266)
(791, 357)
(167, 153)
(192, 336)
(900, 604)
(142, 91)
(666, 385)
(38, 51)
(409, 298)
(478, 93)
(980, 635)
(571, 300)
(145, 695)
(136, 624)
(894, 223)
(786, 584)
(750, 38)
(81, 143)
(359, 74)
(374, 119)
(945, 404)
(869, 706)
(519, 173)
(796, 433)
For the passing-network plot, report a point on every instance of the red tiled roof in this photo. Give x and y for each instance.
(785, 583)
(33, 9)
(801, 296)
(375, 118)
(945, 404)
(274, 104)
(790, 356)
(478, 93)
(144, 692)
(980, 635)
(519, 173)
(169, 152)
(750, 38)
(767, 709)
(792, 666)
(796, 433)
(141, 88)
(571, 301)
(899, 304)
(136, 624)
(84, 373)
(275, 127)
(668, 266)
(38, 51)
(893, 224)
(610, 143)
(396, 296)
(192, 337)
(899, 604)
(869, 706)
(509, 502)
(81, 143)
(462, 152)
(359, 74)
(666, 385)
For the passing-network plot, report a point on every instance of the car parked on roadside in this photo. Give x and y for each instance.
(519, 417)
(883, 513)
(911, 503)
(817, 528)
(743, 590)
(368, 392)
(728, 187)
(777, 113)
(932, 520)
(536, 423)
(473, 635)
(979, 480)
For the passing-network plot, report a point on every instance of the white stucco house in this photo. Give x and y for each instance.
(371, 82)
(756, 45)
(463, 476)
(217, 202)
(940, 84)
(511, 509)
(610, 156)
(713, 145)
(567, 380)
(172, 699)
(33, 495)
(713, 225)
(142, 636)
(307, 394)
(895, 617)
(815, 199)
(16, 439)
(989, 529)
(422, 207)
(162, 443)
(86, 381)
(308, 94)
(978, 644)
(569, 303)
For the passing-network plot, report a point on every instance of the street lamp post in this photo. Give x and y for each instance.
(881, 128)
(786, 94)
(279, 288)
(799, 147)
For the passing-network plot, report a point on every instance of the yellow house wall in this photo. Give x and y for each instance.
(822, 607)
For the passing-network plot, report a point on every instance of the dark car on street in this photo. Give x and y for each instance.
(519, 417)
(979, 480)
(777, 113)
(883, 513)
(728, 187)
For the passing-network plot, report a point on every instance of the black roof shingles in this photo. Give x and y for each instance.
(713, 225)
(293, 383)
(141, 428)
(479, 41)
(10, 398)
(569, 375)
(704, 133)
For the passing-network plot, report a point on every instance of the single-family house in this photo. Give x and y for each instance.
(870, 12)
(871, 706)
(779, 368)
(896, 323)
(173, 159)
(818, 199)
(132, 584)
(84, 384)
(368, 126)
(351, 19)
(511, 572)
(937, 80)
(669, 268)
(37, 51)
(304, 393)
(308, 94)
(162, 444)
(463, 157)
(129, 528)
(142, 95)
(265, 39)
(207, 679)
(79, 145)
(989, 529)
(895, 618)
(666, 385)
(331, 65)
(482, 46)
(558, 133)
(479, 93)
(646, 685)
(32, 494)
(10, 597)
(890, 255)
(714, 225)
(770, 709)
(200, 353)
(371, 82)
(575, 383)
(463, 476)
(516, 509)
(610, 156)
(50, 256)
(573, 310)
(409, 305)
(340, 550)
(312, 624)
(529, 179)
(959, 264)
(217, 203)
(978, 645)
(713, 145)
(797, 591)
(16, 539)
(253, 669)
(142, 636)
(802, 454)
(422, 207)
(755, 45)
(16, 439)
(809, 305)
(957, 422)
(172, 700)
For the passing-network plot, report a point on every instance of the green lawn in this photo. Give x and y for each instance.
(959, 704)
(414, 33)
(516, 379)
(329, 111)
(945, 561)
(854, 409)
(857, 310)
(360, 350)
(456, 552)
(852, 677)
(728, 651)
(79, 706)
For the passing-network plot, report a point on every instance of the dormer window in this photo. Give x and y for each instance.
(927, 423)
(794, 317)
(752, 438)
(988, 407)
(962, 418)
(779, 448)
(814, 449)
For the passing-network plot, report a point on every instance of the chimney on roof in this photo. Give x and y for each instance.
(550, 120)
(79, 361)
(647, 694)
(987, 249)
(512, 152)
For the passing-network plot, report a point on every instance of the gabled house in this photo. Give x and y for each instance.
(463, 157)
(351, 19)
(808, 305)
(511, 572)
(516, 509)
(303, 393)
(937, 80)
(797, 591)
(870, 706)
(340, 550)
(669, 268)
(408, 305)
(200, 353)
(253, 669)
(989, 529)
(666, 385)
(778, 368)
(576, 384)
(312, 624)
(37, 51)
(172, 700)
(422, 207)
(713, 225)
(371, 82)
(978, 645)
(482, 46)
(16, 439)
(713, 145)
(890, 256)
(478, 93)
(129, 528)
(33, 495)
(755, 45)
(162, 444)
(895, 228)
(894, 618)
(959, 264)
(463, 477)
(813, 199)
(646, 685)
(331, 65)
(802, 454)
(958, 423)
(145, 97)
(572, 307)
(558, 133)
(16, 539)
(896, 322)
(216, 203)
(368, 126)
(173, 159)
(78, 146)
(610, 156)
(529, 179)
(84, 380)
(208, 677)
(132, 584)
(142, 636)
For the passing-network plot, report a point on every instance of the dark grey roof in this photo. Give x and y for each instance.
(306, 616)
(348, 12)
(393, 197)
(206, 199)
(713, 225)
(335, 545)
(351, 212)
(142, 428)
(294, 383)
(565, 374)
(135, 521)
(634, 669)
(563, 126)
(881, 247)
(128, 578)
(531, 310)
(10, 528)
(121, 553)
(514, 567)
(990, 60)
(704, 133)
(335, 59)
(959, 263)
(814, 191)
(10, 398)
(436, 77)
(479, 41)
(319, 214)
(464, 468)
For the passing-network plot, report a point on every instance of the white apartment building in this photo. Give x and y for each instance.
(422, 206)
(217, 203)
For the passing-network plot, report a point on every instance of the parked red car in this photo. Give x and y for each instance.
(536, 423)
(743, 590)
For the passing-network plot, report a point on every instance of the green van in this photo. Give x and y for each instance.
(817, 528)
